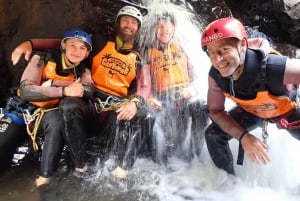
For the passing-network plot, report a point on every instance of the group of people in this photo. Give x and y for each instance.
(94, 85)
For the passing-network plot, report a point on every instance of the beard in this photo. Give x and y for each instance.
(125, 36)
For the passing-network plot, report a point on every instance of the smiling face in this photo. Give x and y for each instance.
(128, 27)
(75, 50)
(165, 30)
(226, 55)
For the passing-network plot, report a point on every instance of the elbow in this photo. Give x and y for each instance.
(23, 91)
(29, 94)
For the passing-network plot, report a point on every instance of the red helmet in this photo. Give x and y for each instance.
(228, 27)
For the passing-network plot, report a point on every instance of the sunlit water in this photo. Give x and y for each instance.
(179, 181)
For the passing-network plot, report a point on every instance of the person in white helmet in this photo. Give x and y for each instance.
(114, 70)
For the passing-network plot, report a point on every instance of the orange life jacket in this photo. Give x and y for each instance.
(112, 71)
(49, 72)
(265, 105)
(168, 68)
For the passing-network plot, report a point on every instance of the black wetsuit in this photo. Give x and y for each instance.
(246, 88)
(121, 140)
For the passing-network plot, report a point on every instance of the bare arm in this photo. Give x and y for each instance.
(216, 107)
(292, 72)
(254, 148)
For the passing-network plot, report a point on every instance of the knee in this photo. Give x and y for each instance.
(211, 131)
(148, 124)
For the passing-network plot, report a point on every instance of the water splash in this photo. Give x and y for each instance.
(172, 133)
(187, 34)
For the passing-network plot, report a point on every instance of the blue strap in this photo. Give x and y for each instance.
(15, 118)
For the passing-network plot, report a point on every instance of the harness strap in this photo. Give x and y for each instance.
(37, 116)
(240, 157)
(110, 104)
(262, 87)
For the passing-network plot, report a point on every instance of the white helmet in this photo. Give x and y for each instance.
(131, 11)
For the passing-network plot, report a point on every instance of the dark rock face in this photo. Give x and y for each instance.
(21, 20)
(279, 19)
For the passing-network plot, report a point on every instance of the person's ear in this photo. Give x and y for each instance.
(87, 53)
(244, 43)
(63, 45)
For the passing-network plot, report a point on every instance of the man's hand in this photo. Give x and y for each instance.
(23, 48)
(154, 103)
(255, 149)
(185, 93)
(75, 89)
(127, 111)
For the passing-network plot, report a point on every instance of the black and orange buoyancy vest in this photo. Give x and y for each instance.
(169, 68)
(49, 72)
(264, 104)
(112, 71)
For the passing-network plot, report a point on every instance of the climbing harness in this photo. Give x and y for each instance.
(111, 103)
(265, 134)
(36, 117)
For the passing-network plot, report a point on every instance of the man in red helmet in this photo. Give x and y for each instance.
(256, 83)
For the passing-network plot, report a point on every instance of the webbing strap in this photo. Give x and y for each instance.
(110, 104)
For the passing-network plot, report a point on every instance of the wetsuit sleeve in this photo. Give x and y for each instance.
(88, 84)
(43, 44)
(217, 113)
(32, 88)
(144, 82)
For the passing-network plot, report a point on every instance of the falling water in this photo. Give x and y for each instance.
(186, 37)
(187, 34)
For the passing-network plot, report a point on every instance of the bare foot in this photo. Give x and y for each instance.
(119, 173)
(41, 181)
(81, 170)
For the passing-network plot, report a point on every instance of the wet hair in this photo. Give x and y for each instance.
(166, 16)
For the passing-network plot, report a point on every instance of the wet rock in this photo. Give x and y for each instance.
(279, 19)
(288, 15)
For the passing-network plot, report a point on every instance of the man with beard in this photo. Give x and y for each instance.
(114, 70)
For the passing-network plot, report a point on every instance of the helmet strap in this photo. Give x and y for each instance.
(239, 70)
(65, 61)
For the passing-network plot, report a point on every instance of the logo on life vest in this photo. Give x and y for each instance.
(259, 108)
(167, 61)
(115, 64)
(213, 37)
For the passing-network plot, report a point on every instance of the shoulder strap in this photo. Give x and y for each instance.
(263, 74)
